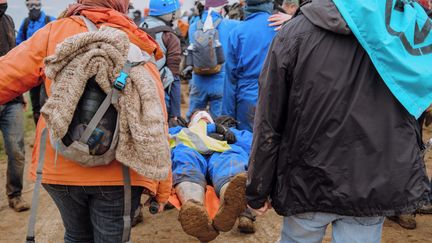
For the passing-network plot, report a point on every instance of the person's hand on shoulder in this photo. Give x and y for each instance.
(278, 20)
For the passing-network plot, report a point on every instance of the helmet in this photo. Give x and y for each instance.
(162, 7)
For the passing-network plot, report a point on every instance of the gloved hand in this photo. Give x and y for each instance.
(186, 74)
(228, 134)
(217, 136)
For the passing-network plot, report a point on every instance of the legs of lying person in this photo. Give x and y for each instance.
(311, 227)
(227, 171)
(189, 170)
(92, 213)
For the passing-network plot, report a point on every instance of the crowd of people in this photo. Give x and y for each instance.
(296, 105)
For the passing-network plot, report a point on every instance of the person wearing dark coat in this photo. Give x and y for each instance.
(332, 145)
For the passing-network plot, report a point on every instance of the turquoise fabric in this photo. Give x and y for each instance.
(398, 38)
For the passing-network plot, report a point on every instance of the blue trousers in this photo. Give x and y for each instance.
(246, 100)
(201, 96)
(173, 98)
(311, 228)
(92, 213)
(218, 168)
(12, 128)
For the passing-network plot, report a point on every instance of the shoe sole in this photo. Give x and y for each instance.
(246, 225)
(195, 222)
(234, 203)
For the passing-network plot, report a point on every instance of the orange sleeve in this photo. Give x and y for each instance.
(21, 68)
(164, 189)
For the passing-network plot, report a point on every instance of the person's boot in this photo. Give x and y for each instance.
(18, 204)
(138, 216)
(193, 216)
(406, 221)
(232, 203)
(246, 222)
(426, 209)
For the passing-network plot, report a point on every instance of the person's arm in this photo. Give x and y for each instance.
(230, 83)
(164, 190)
(270, 119)
(21, 35)
(173, 53)
(22, 66)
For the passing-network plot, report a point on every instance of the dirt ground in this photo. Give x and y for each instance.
(164, 227)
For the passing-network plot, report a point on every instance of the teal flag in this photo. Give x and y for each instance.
(398, 38)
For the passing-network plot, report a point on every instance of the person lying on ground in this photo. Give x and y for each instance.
(208, 149)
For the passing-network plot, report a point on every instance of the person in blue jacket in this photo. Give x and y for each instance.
(215, 152)
(37, 19)
(247, 49)
(208, 90)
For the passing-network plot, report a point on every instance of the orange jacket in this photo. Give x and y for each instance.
(23, 68)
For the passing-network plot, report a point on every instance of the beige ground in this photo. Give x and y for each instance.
(165, 227)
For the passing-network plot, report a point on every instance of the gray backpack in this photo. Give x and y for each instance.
(205, 54)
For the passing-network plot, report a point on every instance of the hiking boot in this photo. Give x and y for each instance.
(195, 221)
(138, 216)
(406, 221)
(426, 209)
(246, 222)
(233, 203)
(18, 204)
(246, 225)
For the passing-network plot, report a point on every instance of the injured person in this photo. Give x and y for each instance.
(216, 154)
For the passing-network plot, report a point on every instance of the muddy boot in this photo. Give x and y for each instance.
(232, 203)
(138, 216)
(246, 222)
(406, 221)
(18, 204)
(195, 221)
(193, 216)
(426, 209)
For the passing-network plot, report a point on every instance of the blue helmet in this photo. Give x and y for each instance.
(162, 7)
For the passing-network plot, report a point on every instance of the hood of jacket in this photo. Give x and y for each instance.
(324, 14)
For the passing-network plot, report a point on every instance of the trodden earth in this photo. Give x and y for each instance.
(165, 227)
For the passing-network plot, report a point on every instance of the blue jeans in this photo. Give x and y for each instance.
(92, 213)
(173, 98)
(220, 168)
(311, 228)
(12, 128)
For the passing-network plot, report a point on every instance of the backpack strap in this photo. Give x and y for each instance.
(217, 23)
(127, 205)
(200, 25)
(153, 31)
(90, 25)
(47, 19)
(25, 27)
(36, 192)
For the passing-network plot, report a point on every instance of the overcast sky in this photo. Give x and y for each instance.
(18, 10)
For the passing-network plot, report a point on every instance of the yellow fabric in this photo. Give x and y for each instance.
(199, 129)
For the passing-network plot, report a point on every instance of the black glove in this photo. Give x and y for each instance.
(186, 74)
(217, 136)
(227, 133)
